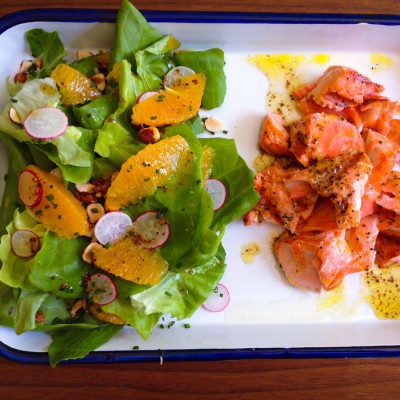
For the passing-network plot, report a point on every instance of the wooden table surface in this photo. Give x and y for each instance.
(372, 378)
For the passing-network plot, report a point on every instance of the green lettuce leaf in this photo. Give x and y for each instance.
(34, 94)
(72, 152)
(132, 33)
(182, 293)
(8, 304)
(93, 114)
(58, 266)
(135, 317)
(18, 158)
(237, 178)
(15, 270)
(77, 341)
(28, 305)
(69, 150)
(154, 62)
(48, 46)
(116, 139)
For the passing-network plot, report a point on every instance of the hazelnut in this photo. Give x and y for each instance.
(213, 125)
(95, 211)
(80, 54)
(88, 253)
(99, 80)
(14, 116)
(149, 135)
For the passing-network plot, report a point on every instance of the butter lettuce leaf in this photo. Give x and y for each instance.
(77, 341)
(132, 33)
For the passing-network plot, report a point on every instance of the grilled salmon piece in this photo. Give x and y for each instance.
(280, 203)
(340, 87)
(297, 256)
(343, 180)
(320, 260)
(274, 137)
(377, 114)
(382, 151)
(322, 217)
(307, 106)
(319, 136)
(387, 251)
(390, 195)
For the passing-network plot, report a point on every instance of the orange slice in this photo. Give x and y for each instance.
(206, 162)
(58, 210)
(172, 105)
(75, 88)
(130, 261)
(142, 173)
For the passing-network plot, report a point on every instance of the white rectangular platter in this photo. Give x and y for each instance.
(265, 312)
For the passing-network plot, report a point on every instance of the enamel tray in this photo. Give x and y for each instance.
(266, 316)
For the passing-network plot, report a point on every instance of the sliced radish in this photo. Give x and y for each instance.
(151, 229)
(218, 300)
(217, 191)
(25, 243)
(46, 123)
(30, 188)
(173, 76)
(102, 288)
(111, 226)
(145, 96)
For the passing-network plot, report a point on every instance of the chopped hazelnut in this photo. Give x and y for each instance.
(213, 125)
(149, 135)
(99, 80)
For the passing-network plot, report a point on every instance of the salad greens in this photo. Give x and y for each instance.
(41, 292)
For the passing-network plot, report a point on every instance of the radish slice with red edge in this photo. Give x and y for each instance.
(217, 191)
(46, 123)
(102, 288)
(145, 96)
(174, 75)
(151, 229)
(30, 189)
(111, 226)
(25, 243)
(218, 300)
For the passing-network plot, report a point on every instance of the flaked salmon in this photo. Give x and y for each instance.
(274, 137)
(281, 204)
(320, 260)
(342, 179)
(315, 137)
(340, 87)
(332, 184)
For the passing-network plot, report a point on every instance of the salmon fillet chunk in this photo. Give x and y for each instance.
(318, 136)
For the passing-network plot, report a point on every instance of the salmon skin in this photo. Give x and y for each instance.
(332, 185)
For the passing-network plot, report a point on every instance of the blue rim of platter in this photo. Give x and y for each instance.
(80, 15)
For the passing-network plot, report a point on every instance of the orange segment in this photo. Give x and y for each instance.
(172, 105)
(128, 260)
(75, 88)
(142, 173)
(59, 211)
(206, 162)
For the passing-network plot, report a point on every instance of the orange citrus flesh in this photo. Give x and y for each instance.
(75, 88)
(98, 313)
(206, 162)
(130, 261)
(142, 173)
(172, 105)
(59, 211)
